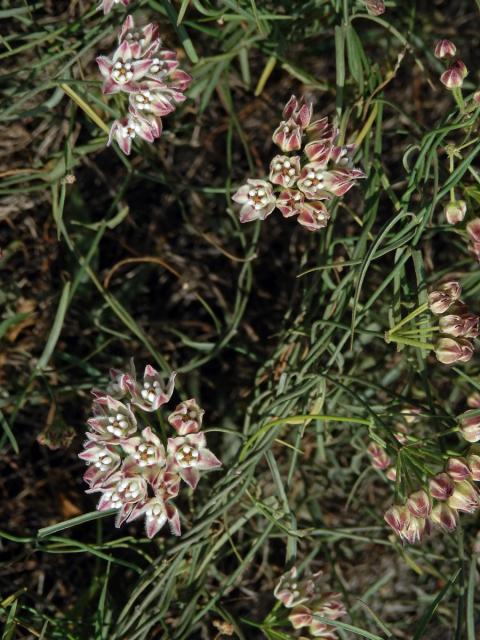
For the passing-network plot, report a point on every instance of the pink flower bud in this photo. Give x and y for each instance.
(441, 486)
(474, 463)
(397, 517)
(455, 211)
(300, 617)
(453, 77)
(444, 516)
(476, 97)
(375, 7)
(449, 351)
(473, 230)
(415, 530)
(465, 325)
(391, 474)
(473, 400)
(419, 504)
(378, 456)
(464, 498)
(458, 469)
(444, 296)
(445, 48)
(469, 424)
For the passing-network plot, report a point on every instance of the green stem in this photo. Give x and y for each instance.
(416, 312)
(458, 95)
(410, 342)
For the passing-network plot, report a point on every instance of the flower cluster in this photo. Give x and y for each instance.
(307, 602)
(448, 493)
(150, 75)
(301, 185)
(136, 471)
(456, 72)
(456, 327)
(107, 5)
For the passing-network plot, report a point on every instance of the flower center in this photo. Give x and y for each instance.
(187, 456)
(158, 65)
(117, 425)
(104, 460)
(314, 180)
(146, 455)
(144, 100)
(122, 72)
(257, 198)
(285, 168)
(150, 390)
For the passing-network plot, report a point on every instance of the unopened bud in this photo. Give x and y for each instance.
(454, 76)
(469, 424)
(449, 351)
(397, 517)
(415, 530)
(375, 7)
(379, 458)
(458, 469)
(391, 474)
(474, 463)
(441, 486)
(419, 504)
(445, 48)
(444, 516)
(455, 211)
(444, 296)
(473, 400)
(301, 616)
(464, 498)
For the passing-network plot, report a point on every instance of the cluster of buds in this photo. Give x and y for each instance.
(469, 421)
(149, 74)
(375, 7)
(449, 493)
(107, 5)
(298, 185)
(456, 72)
(136, 471)
(307, 602)
(473, 230)
(456, 327)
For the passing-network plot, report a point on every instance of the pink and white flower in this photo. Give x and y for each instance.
(122, 72)
(122, 493)
(107, 5)
(153, 394)
(284, 170)
(113, 421)
(127, 129)
(103, 460)
(153, 100)
(257, 199)
(313, 216)
(312, 181)
(143, 41)
(188, 455)
(187, 417)
(145, 453)
(290, 202)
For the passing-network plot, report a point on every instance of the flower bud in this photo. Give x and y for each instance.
(453, 77)
(458, 469)
(476, 97)
(378, 456)
(415, 530)
(473, 230)
(474, 463)
(301, 616)
(441, 486)
(444, 516)
(455, 211)
(444, 296)
(464, 498)
(465, 325)
(375, 7)
(449, 351)
(473, 400)
(469, 423)
(391, 474)
(419, 504)
(444, 49)
(397, 517)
